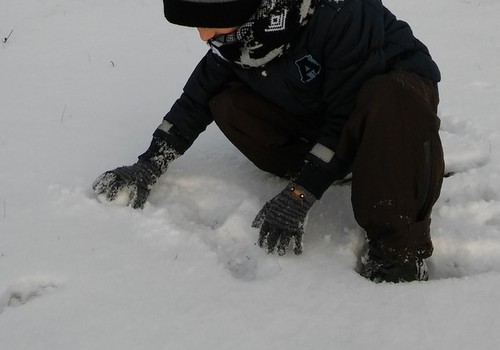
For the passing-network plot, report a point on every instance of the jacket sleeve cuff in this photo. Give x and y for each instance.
(321, 168)
(171, 135)
(167, 144)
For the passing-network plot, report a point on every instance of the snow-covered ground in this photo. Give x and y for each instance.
(83, 84)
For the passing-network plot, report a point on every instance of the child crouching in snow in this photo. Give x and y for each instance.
(312, 90)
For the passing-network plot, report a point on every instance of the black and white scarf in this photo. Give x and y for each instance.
(267, 35)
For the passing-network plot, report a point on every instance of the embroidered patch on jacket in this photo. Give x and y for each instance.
(309, 68)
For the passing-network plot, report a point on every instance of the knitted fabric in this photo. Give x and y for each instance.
(267, 35)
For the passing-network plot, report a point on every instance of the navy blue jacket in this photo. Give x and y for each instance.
(344, 44)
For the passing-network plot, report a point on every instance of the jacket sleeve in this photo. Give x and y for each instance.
(353, 53)
(190, 114)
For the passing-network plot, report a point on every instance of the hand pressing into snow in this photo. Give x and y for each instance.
(130, 185)
(281, 220)
(127, 185)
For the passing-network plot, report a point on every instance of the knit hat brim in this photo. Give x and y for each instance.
(216, 14)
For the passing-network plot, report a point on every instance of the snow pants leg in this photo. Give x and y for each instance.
(392, 142)
(273, 140)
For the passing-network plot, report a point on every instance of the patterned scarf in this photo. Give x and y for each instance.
(266, 35)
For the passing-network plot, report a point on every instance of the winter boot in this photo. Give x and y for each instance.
(377, 269)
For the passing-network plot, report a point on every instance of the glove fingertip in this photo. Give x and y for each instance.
(139, 196)
(262, 239)
(283, 244)
(298, 244)
(260, 217)
(137, 205)
(97, 184)
(103, 182)
(256, 223)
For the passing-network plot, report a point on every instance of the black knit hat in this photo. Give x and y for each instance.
(210, 13)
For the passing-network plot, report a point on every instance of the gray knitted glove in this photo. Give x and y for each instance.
(282, 218)
(130, 185)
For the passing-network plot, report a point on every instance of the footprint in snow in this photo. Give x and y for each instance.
(24, 292)
(466, 218)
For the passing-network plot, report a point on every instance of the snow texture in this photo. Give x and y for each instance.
(83, 84)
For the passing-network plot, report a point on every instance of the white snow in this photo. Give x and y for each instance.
(83, 84)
